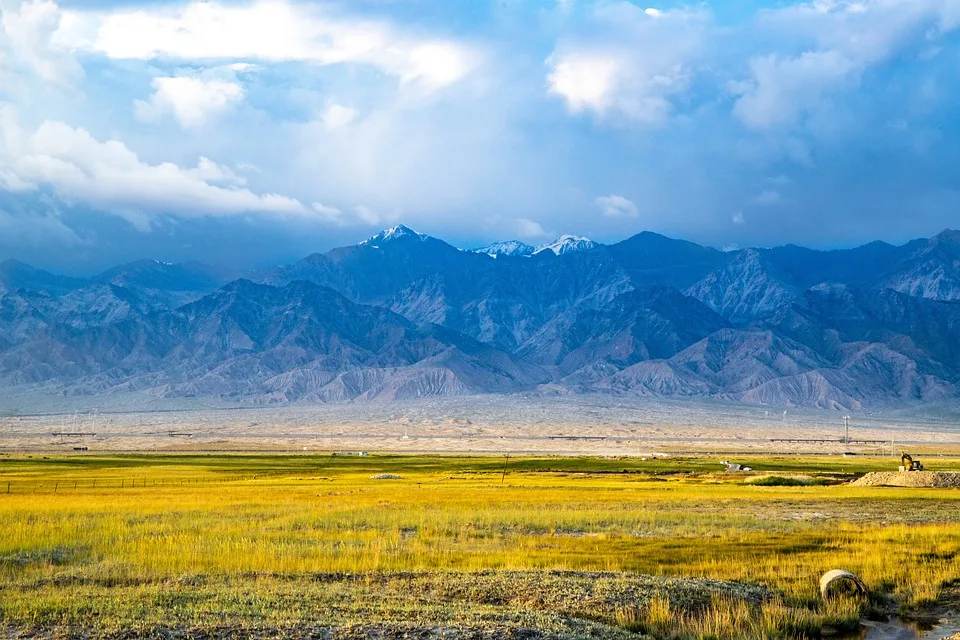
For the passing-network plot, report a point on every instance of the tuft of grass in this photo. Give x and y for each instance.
(727, 618)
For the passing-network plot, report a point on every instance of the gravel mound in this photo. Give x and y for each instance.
(938, 479)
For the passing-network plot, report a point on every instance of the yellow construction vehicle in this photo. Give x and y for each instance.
(907, 463)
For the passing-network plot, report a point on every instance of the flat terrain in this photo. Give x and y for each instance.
(316, 545)
(578, 425)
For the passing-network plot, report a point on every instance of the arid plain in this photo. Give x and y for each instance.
(581, 425)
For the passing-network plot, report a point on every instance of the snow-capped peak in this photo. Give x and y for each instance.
(507, 248)
(393, 233)
(567, 244)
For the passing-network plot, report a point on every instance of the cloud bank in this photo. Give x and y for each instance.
(815, 122)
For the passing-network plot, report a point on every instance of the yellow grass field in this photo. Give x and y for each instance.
(304, 546)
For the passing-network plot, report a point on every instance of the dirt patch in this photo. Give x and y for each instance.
(935, 479)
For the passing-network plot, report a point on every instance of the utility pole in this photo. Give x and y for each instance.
(846, 429)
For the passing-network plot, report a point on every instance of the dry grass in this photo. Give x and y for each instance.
(244, 542)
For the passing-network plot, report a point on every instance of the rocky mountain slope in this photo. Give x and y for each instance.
(932, 271)
(405, 315)
(297, 342)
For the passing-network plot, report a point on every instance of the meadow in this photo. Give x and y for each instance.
(448, 546)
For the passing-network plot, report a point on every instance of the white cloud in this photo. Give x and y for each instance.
(110, 176)
(738, 218)
(767, 198)
(610, 84)
(436, 64)
(336, 116)
(866, 30)
(615, 206)
(270, 31)
(631, 66)
(840, 40)
(528, 229)
(30, 30)
(782, 89)
(586, 81)
(10, 181)
(192, 101)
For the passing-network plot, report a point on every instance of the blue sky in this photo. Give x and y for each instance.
(256, 132)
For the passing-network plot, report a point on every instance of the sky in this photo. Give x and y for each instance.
(253, 133)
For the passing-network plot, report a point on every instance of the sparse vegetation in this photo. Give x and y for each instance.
(787, 481)
(293, 544)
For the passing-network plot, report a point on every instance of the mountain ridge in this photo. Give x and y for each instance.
(405, 315)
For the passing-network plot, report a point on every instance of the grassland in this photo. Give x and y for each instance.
(314, 546)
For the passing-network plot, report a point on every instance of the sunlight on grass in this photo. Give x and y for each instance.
(94, 547)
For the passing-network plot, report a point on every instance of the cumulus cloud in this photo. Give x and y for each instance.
(108, 175)
(270, 31)
(631, 66)
(781, 89)
(584, 80)
(29, 30)
(192, 101)
(738, 218)
(615, 206)
(865, 30)
(350, 115)
(841, 39)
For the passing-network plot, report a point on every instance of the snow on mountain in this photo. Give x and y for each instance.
(567, 244)
(507, 248)
(405, 315)
(394, 233)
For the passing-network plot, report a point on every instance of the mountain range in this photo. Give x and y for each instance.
(405, 315)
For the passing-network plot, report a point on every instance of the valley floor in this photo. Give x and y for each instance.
(567, 425)
(384, 546)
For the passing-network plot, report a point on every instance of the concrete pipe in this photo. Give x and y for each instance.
(837, 575)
